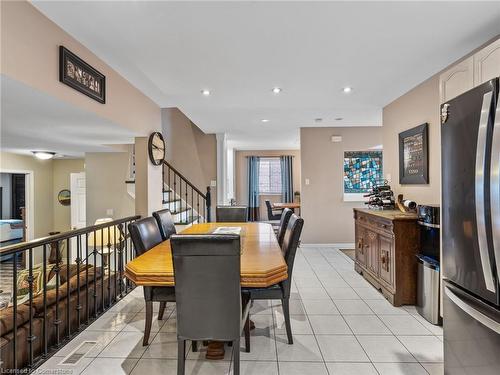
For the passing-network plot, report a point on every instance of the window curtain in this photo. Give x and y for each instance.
(286, 178)
(253, 188)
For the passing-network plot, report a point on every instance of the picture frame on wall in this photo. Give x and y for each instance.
(79, 75)
(414, 156)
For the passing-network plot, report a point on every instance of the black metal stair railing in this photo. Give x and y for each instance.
(71, 279)
(189, 203)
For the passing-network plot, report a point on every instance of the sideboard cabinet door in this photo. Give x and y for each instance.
(387, 261)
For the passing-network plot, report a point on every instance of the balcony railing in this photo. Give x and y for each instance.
(67, 281)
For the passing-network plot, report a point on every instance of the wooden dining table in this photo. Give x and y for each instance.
(283, 205)
(262, 263)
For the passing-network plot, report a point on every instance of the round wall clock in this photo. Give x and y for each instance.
(64, 197)
(156, 148)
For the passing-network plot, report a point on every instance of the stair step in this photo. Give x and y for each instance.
(171, 201)
(130, 181)
(180, 211)
(189, 220)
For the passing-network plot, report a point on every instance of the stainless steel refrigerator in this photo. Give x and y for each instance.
(470, 146)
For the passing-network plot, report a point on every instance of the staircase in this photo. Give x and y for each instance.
(186, 202)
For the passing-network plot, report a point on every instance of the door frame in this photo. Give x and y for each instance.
(29, 198)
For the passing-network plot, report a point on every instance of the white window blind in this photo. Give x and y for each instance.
(270, 176)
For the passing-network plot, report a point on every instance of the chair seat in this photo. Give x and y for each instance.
(272, 292)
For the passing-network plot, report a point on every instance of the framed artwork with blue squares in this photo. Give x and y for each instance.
(362, 171)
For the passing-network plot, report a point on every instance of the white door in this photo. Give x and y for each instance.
(78, 194)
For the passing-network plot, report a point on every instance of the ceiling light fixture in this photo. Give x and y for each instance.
(205, 92)
(276, 90)
(319, 119)
(347, 89)
(339, 118)
(43, 155)
(265, 120)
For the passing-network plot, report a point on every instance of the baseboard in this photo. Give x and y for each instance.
(338, 245)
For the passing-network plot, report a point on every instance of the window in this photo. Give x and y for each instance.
(362, 171)
(270, 176)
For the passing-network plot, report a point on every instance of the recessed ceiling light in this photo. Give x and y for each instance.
(319, 119)
(347, 89)
(43, 155)
(276, 90)
(265, 120)
(339, 118)
(205, 92)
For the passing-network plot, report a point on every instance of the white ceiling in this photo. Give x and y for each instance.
(34, 121)
(241, 50)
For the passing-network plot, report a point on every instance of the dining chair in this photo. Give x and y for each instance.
(208, 292)
(231, 214)
(272, 214)
(165, 223)
(281, 291)
(145, 235)
(285, 218)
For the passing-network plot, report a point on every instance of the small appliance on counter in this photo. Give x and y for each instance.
(428, 275)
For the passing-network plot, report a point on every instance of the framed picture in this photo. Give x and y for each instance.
(79, 75)
(362, 171)
(414, 156)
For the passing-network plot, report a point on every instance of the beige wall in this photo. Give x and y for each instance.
(192, 152)
(241, 176)
(30, 54)
(62, 169)
(50, 177)
(106, 173)
(327, 218)
(42, 187)
(416, 107)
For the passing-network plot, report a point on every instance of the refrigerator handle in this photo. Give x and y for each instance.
(495, 187)
(479, 192)
(475, 314)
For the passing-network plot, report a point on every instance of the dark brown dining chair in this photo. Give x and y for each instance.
(165, 223)
(145, 235)
(281, 290)
(232, 214)
(285, 218)
(271, 213)
(207, 287)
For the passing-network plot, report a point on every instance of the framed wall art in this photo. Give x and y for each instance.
(79, 75)
(414, 156)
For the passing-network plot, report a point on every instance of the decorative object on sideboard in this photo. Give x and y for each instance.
(64, 197)
(406, 205)
(381, 197)
(156, 148)
(76, 73)
(414, 156)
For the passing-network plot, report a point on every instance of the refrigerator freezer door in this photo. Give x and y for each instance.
(466, 226)
(471, 335)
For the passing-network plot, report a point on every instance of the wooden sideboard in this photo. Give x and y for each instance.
(386, 244)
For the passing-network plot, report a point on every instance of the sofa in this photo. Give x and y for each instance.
(87, 291)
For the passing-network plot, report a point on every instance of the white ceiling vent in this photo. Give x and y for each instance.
(336, 138)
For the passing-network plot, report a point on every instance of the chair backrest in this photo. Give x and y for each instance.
(165, 223)
(285, 218)
(234, 214)
(145, 234)
(291, 241)
(207, 286)
(269, 210)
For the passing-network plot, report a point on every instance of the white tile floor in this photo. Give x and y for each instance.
(341, 325)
